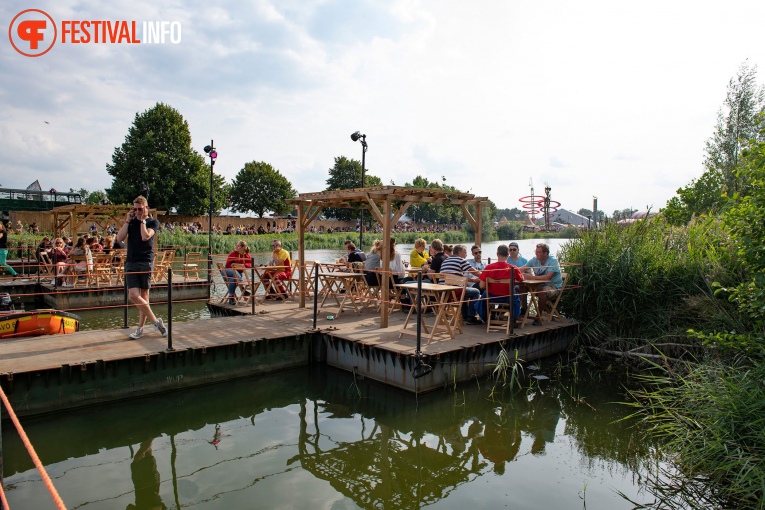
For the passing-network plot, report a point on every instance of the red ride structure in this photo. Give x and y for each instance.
(537, 204)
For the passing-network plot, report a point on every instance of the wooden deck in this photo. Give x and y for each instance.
(43, 374)
(272, 320)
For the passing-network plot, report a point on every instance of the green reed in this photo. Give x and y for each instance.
(710, 417)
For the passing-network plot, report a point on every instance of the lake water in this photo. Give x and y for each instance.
(315, 438)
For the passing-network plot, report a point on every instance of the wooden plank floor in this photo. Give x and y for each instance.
(271, 320)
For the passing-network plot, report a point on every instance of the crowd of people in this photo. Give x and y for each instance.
(438, 259)
(73, 258)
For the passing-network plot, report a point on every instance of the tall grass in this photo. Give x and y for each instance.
(646, 281)
(711, 417)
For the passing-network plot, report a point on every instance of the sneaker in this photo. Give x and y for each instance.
(160, 326)
(137, 334)
(247, 293)
(473, 321)
(232, 301)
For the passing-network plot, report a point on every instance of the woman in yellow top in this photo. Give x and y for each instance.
(417, 258)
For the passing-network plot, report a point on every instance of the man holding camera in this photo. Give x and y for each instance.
(139, 230)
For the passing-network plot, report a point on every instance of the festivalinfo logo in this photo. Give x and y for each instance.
(34, 32)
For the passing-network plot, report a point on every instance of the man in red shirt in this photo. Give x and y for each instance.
(499, 293)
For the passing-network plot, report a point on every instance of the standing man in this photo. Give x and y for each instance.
(139, 263)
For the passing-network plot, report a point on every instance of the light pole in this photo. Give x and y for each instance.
(213, 154)
(356, 137)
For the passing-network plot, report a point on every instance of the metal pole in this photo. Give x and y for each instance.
(209, 227)
(419, 310)
(252, 289)
(363, 171)
(125, 308)
(170, 308)
(315, 292)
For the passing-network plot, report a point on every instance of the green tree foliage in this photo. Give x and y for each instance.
(431, 213)
(260, 188)
(95, 198)
(157, 159)
(738, 122)
(346, 174)
(513, 214)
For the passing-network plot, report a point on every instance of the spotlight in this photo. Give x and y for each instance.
(355, 136)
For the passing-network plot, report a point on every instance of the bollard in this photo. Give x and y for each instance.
(170, 308)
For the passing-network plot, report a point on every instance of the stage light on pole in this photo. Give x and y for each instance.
(356, 136)
(213, 155)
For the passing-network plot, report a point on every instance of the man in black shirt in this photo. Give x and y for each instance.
(139, 230)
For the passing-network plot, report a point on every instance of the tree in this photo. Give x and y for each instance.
(738, 121)
(156, 159)
(513, 214)
(95, 198)
(259, 187)
(346, 174)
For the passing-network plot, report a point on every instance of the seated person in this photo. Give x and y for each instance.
(456, 264)
(281, 260)
(354, 254)
(79, 267)
(437, 257)
(372, 264)
(58, 256)
(240, 255)
(417, 257)
(544, 267)
(515, 255)
(498, 293)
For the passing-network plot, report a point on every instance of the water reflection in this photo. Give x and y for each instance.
(314, 438)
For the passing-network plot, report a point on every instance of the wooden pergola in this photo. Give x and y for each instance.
(72, 217)
(387, 204)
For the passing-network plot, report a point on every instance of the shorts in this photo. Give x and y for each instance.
(138, 275)
(550, 290)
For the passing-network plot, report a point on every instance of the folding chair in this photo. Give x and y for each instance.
(499, 315)
(191, 265)
(453, 310)
(85, 278)
(247, 287)
(45, 265)
(552, 308)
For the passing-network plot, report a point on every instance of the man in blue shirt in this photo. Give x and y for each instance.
(544, 267)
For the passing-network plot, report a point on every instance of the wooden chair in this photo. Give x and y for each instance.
(102, 269)
(85, 278)
(161, 266)
(191, 265)
(552, 307)
(499, 315)
(453, 310)
(247, 287)
(45, 266)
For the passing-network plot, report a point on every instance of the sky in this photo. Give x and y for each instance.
(603, 99)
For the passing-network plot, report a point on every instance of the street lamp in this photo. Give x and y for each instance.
(213, 154)
(356, 137)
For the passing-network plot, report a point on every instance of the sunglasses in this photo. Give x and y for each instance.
(477, 252)
(513, 249)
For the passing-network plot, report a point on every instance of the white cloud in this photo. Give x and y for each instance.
(601, 98)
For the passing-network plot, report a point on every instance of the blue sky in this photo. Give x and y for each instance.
(596, 98)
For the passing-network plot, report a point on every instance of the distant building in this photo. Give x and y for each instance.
(571, 218)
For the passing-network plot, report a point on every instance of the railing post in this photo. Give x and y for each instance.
(252, 289)
(209, 275)
(125, 300)
(315, 292)
(170, 308)
(419, 310)
(512, 299)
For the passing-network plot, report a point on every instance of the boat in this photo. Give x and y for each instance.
(21, 323)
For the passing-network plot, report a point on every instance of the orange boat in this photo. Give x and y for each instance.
(37, 322)
(16, 324)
